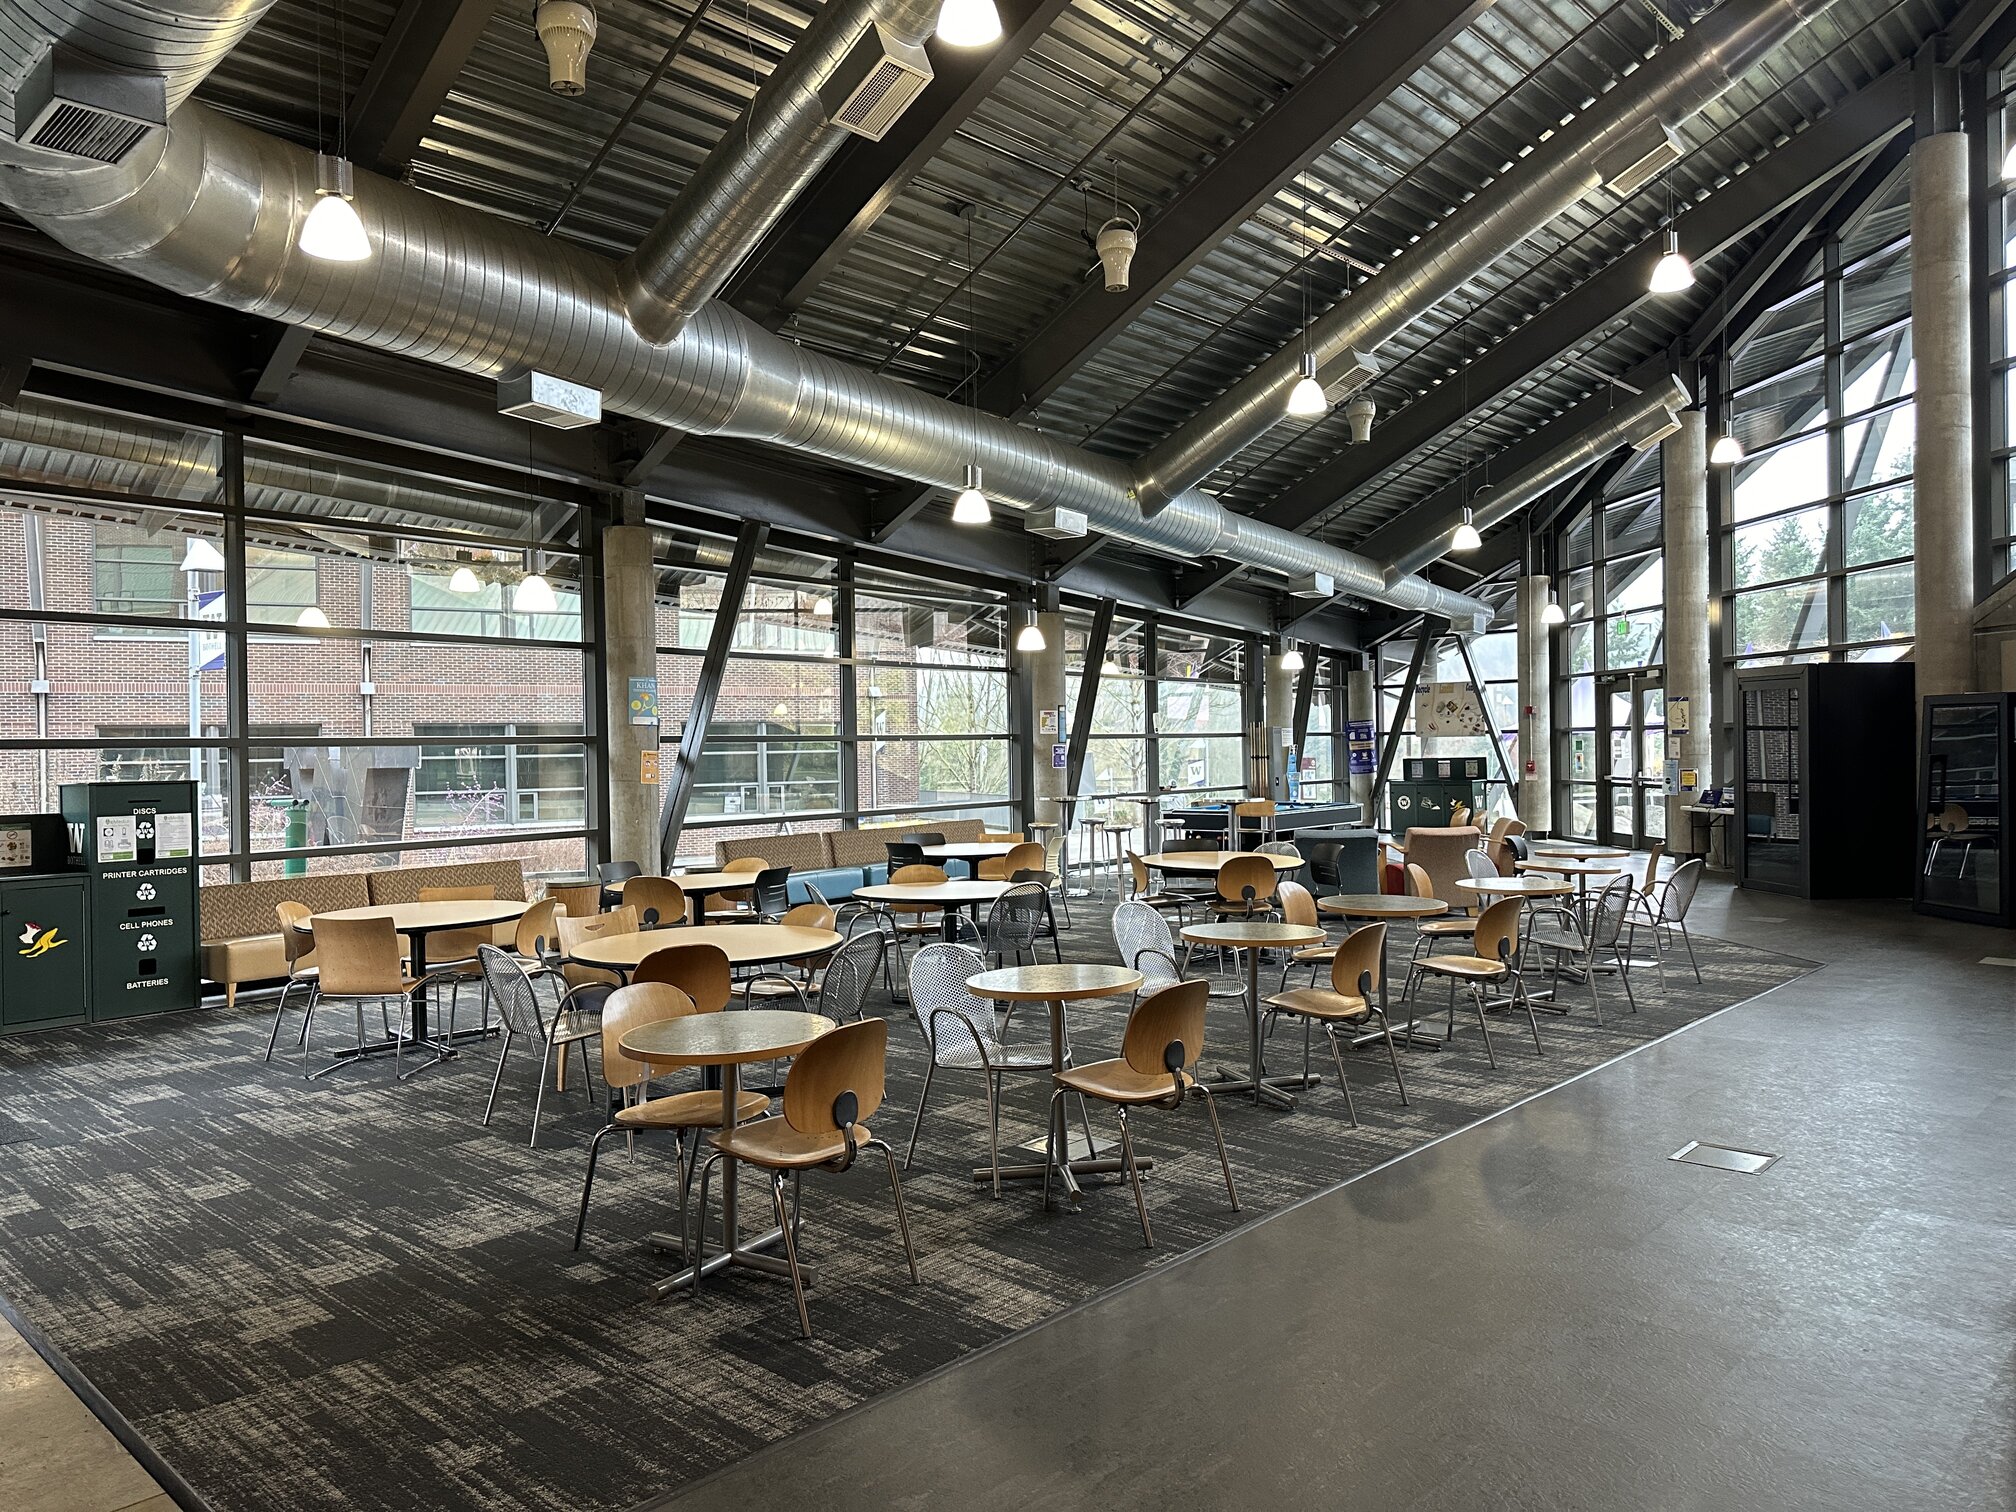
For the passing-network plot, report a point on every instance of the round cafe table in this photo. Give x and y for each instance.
(699, 886)
(1053, 985)
(726, 1041)
(972, 852)
(1580, 870)
(1206, 863)
(1254, 937)
(949, 896)
(1536, 888)
(1378, 908)
(416, 921)
(1572, 852)
(744, 944)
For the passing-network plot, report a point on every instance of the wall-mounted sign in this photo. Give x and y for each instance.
(174, 835)
(1060, 757)
(647, 768)
(1363, 757)
(1679, 716)
(643, 700)
(1451, 708)
(1046, 721)
(118, 838)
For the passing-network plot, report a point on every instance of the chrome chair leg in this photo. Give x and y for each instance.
(279, 1011)
(1392, 1053)
(698, 1249)
(902, 1213)
(588, 1185)
(1350, 1106)
(1218, 1133)
(503, 1051)
(1477, 1000)
(1134, 1178)
(785, 1226)
(539, 1099)
(992, 1081)
(923, 1097)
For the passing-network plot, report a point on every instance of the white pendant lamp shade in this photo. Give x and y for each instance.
(1291, 660)
(971, 507)
(968, 23)
(1726, 452)
(312, 618)
(464, 580)
(1552, 614)
(333, 231)
(1307, 400)
(1030, 637)
(2009, 165)
(534, 595)
(1672, 272)
(1466, 537)
(822, 607)
(201, 556)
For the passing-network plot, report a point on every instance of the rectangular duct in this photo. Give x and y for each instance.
(74, 105)
(1356, 370)
(547, 400)
(1658, 431)
(875, 83)
(1056, 522)
(1313, 585)
(1644, 152)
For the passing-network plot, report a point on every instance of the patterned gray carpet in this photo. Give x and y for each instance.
(347, 1294)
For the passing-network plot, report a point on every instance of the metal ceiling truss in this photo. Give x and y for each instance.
(422, 55)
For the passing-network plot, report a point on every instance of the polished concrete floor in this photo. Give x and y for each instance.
(1544, 1311)
(54, 1455)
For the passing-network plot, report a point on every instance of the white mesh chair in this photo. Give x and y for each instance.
(571, 1021)
(960, 1034)
(1585, 953)
(1141, 935)
(1015, 923)
(850, 970)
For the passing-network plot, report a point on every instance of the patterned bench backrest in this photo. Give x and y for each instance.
(238, 910)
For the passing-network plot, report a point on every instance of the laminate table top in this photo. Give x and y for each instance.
(723, 1039)
(960, 893)
(744, 944)
(1381, 906)
(1054, 982)
(1524, 887)
(1253, 934)
(1206, 863)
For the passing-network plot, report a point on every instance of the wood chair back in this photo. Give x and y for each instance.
(459, 944)
(1166, 1018)
(630, 1008)
(1298, 905)
(577, 902)
(851, 1058)
(359, 958)
(1143, 884)
(808, 916)
(1357, 960)
(1418, 885)
(750, 864)
(577, 932)
(1248, 879)
(659, 901)
(538, 930)
(1027, 856)
(1652, 865)
(298, 944)
(1496, 936)
(700, 970)
(919, 874)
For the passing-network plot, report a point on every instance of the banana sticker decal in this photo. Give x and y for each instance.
(37, 941)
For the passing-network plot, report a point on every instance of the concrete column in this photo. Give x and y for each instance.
(1536, 710)
(1943, 574)
(630, 649)
(1277, 714)
(1046, 691)
(1683, 486)
(1360, 702)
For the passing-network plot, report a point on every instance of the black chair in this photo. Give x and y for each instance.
(924, 837)
(772, 899)
(1047, 881)
(905, 853)
(614, 874)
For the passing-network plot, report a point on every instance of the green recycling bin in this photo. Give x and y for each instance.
(140, 846)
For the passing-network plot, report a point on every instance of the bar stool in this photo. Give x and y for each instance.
(1056, 858)
(1098, 853)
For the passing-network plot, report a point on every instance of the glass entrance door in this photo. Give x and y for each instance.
(1631, 759)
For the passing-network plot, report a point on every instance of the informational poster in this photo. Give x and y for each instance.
(1581, 756)
(1060, 757)
(1679, 716)
(647, 768)
(118, 838)
(1046, 722)
(17, 850)
(643, 700)
(174, 835)
(1451, 709)
(1363, 758)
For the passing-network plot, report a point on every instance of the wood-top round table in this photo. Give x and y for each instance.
(1206, 863)
(1055, 984)
(972, 852)
(1534, 887)
(744, 944)
(1581, 868)
(416, 921)
(950, 896)
(1571, 852)
(699, 886)
(1379, 907)
(726, 1041)
(1253, 937)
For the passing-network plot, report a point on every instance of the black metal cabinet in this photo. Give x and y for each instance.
(1824, 783)
(45, 963)
(140, 845)
(1968, 747)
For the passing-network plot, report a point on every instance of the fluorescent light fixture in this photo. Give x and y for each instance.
(333, 231)
(971, 507)
(464, 580)
(1466, 537)
(822, 607)
(1552, 614)
(534, 595)
(1726, 452)
(1307, 401)
(968, 23)
(1672, 273)
(1291, 660)
(312, 618)
(1030, 637)
(201, 556)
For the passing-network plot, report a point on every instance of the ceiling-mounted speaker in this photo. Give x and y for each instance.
(877, 81)
(75, 105)
(1347, 374)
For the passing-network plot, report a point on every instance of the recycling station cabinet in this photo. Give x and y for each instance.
(45, 968)
(138, 842)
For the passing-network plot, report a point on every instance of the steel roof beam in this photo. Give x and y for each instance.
(1859, 126)
(864, 178)
(408, 81)
(1332, 98)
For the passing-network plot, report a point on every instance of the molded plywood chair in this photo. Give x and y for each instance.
(299, 947)
(801, 984)
(700, 970)
(1027, 856)
(659, 901)
(1349, 999)
(1493, 960)
(577, 902)
(835, 1085)
(453, 951)
(577, 932)
(360, 963)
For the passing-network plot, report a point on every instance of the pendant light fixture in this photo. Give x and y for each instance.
(1552, 614)
(332, 230)
(1306, 400)
(1672, 273)
(464, 580)
(201, 556)
(1030, 636)
(1466, 537)
(1727, 450)
(312, 618)
(1291, 659)
(2009, 166)
(968, 23)
(822, 607)
(971, 507)
(534, 595)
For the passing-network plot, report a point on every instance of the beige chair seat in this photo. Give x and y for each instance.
(1468, 967)
(1320, 1003)
(773, 1143)
(688, 1110)
(1446, 926)
(1316, 953)
(1117, 1082)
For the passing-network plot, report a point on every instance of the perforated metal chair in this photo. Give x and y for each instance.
(518, 1005)
(961, 1033)
(1014, 925)
(1142, 936)
(1575, 951)
(850, 971)
(1669, 912)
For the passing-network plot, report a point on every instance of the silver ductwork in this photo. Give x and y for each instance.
(211, 208)
(180, 45)
(1675, 85)
(758, 167)
(1640, 421)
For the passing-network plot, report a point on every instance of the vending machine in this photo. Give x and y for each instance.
(139, 845)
